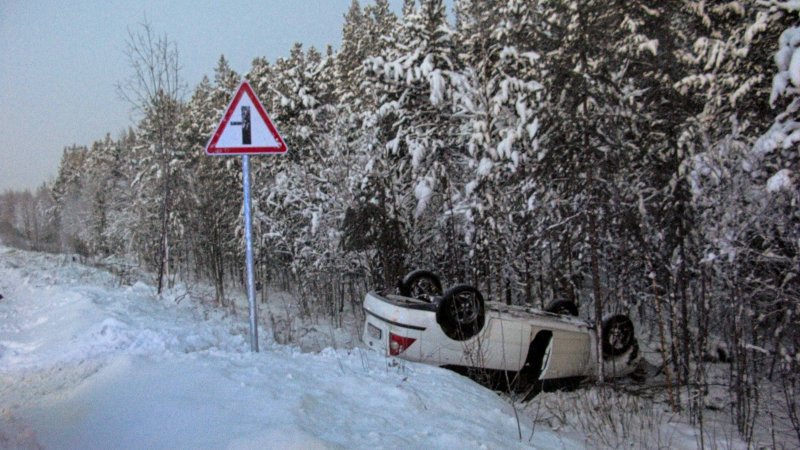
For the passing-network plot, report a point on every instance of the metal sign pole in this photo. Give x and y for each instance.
(251, 290)
(257, 136)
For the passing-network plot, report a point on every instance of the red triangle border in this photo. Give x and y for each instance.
(213, 150)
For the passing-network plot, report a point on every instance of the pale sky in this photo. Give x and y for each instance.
(61, 59)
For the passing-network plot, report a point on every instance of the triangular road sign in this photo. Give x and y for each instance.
(245, 129)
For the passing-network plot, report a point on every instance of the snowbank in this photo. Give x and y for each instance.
(86, 364)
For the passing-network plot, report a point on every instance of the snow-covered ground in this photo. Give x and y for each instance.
(86, 363)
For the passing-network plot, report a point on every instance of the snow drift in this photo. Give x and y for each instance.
(85, 363)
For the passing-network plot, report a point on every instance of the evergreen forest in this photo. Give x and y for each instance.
(637, 157)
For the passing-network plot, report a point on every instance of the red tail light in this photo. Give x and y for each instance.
(399, 344)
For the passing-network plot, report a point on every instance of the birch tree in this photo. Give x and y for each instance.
(154, 90)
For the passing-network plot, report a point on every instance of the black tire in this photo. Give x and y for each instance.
(618, 335)
(461, 312)
(421, 284)
(563, 307)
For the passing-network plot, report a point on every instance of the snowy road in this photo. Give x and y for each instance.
(85, 363)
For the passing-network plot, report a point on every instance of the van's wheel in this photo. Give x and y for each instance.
(563, 307)
(461, 312)
(618, 335)
(420, 284)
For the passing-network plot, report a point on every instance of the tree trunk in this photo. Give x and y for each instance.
(596, 288)
(163, 270)
(662, 341)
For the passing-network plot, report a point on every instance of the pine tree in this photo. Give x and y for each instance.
(102, 169)
(746, 192)
(499, 99)
(70, 207)
(213, 194)
(413, 81)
